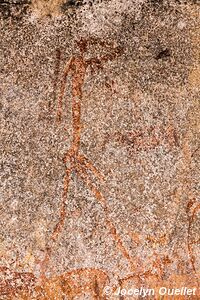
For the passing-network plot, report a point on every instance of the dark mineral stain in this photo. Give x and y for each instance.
(187, 1)
(163, 54)
(77, 3)
(157, 5)
(156, 2)
(13, 9)
(71, 4)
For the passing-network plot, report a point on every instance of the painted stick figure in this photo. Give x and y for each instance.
(73, 159)
(76, 67)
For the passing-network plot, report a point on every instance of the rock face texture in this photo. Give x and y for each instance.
(99, 149)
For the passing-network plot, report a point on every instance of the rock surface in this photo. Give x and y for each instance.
(99, 148)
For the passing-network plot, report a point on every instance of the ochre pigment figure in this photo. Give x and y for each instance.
(73, 159)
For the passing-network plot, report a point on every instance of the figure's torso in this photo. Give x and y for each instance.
(78, 71)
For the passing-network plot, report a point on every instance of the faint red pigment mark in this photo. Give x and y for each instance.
(46, 109)
(56, 75)
(74, 161)
(193, 206)
(110, 85)
(192, 209)
(148, 138)
(137, 280)
(75, 283)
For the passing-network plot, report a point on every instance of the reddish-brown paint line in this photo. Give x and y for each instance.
(192, 209)
(148, 138)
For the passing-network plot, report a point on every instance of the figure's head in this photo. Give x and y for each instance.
(82, 44)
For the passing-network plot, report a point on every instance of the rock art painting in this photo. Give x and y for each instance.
(99, 150)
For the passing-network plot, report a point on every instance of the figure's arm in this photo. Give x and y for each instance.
(94, 62)
(62, 89)
(98, 62)
(113, 54)
(68, 67)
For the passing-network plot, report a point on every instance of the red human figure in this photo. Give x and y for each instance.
(73, 159)
(76, 67)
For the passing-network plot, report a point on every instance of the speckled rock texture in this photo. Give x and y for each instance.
(99, 149)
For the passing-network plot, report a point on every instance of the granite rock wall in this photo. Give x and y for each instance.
(99, 148)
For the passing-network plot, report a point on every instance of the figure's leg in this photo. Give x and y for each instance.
(58, 228)
(43, 265)
(86, 179)
(60, 224)
(119, 242)
(76, 123)
(84, 160)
